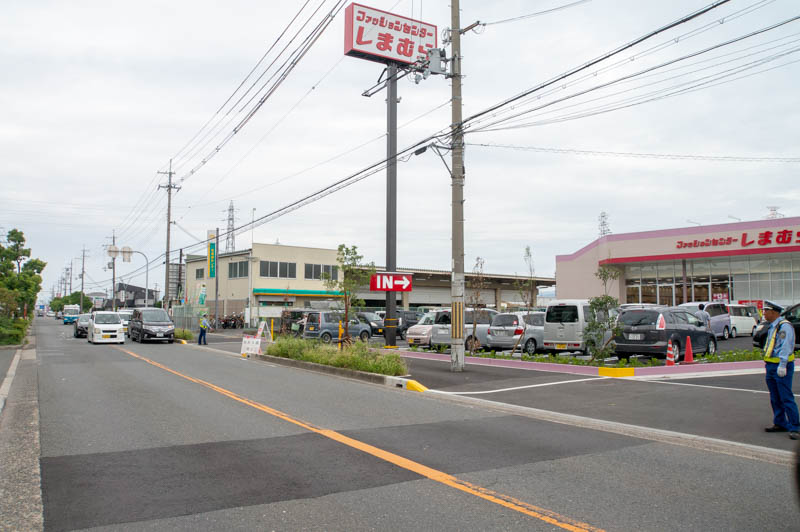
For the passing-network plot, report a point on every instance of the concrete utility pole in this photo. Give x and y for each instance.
(113, 273)
(390, 320)
(83, 272)
(169, 186)
(178, 289)
(457, 281)
(216, 278)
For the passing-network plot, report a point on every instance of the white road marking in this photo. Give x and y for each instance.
(519, 387)
(6, 386)
(712, 387)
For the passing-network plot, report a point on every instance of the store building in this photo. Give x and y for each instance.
(742, 261)
(276, 275)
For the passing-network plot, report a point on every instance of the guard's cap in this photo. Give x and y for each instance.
(769, 305)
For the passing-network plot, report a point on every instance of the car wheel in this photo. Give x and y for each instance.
(726, 333)
(530, 346)
(711, 348)
(753, 332)
(733, 332)
(469, 344)
(364, 336)
(326, 337)
(170, 341)
(676, 352)
(75, 333)
(402, 335)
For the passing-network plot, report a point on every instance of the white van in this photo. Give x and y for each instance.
(564, 321)
(744, 319)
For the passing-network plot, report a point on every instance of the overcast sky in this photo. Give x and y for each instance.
(97, 96)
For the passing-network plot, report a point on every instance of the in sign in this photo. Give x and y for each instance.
(390, 282)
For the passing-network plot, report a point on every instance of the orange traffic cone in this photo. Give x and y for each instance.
(688, 357)
(670, 356)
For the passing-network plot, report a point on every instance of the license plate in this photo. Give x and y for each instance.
(124, 329)
(106, 336)
(380, 331)
(636, 336)
(160, 335)
(311, 328)
(561, 346)
(410, 341)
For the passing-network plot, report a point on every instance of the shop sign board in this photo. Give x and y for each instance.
(780, 237)
(384, 37)
(390, 282)
(212, 254)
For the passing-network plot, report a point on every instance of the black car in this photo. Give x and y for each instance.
(792, 314)
(81, 326)
(151, 324)
(647, 331)
(373, 320)
(406, 320)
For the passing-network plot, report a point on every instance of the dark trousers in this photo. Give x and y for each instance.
(784, 406)
(201, 340)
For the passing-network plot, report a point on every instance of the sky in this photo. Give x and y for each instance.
(97, 96)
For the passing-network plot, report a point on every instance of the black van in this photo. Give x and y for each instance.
(151, 324)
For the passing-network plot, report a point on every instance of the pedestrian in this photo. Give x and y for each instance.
(703, 315)
(779, 361)
(201, 340)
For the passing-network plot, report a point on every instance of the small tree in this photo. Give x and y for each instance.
(476, 283)
(353, 276)
(527, 286)
(601, 324)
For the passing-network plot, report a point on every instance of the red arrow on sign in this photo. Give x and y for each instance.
(390, 282)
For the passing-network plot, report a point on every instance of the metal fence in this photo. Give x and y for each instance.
(187, 316)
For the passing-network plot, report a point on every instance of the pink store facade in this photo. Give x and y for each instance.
(743, 261)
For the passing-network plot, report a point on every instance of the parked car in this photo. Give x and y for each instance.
(720, 319)
(125, 315)
(81, 326)
(373, 320)
(648, 331)
(324, 325)
(105, 327)
(406, 320)
(420, 332)
(151, 324)
(564, 322)
(744, 319)
(522, 329)
(476, 326)
(51, 314)
(792, 314)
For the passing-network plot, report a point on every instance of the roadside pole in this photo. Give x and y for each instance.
(457, 281)
(83, 272)
(390, 320)
(216, 279)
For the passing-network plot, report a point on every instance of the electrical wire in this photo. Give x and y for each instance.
(538, 13)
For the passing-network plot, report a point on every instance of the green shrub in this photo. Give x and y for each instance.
(184, 334)
(357, 356)
(12, 331)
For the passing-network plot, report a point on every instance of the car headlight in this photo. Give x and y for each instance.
(372, 323)
(96, 330)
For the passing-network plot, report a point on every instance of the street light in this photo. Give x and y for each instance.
(126, 257)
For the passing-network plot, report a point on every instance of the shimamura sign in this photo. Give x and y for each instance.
(379, 36)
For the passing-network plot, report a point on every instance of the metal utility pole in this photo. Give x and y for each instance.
(178, 289)
(83, 272)
(457, 132)
(390, 320)
(216, 278)
(169, 186)
(69, 276)
(114, 273)
(230, 239)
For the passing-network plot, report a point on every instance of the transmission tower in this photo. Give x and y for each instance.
(604, 228)
(230, 243)
(773, 213)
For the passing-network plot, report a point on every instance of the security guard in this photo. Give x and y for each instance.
(779, 359)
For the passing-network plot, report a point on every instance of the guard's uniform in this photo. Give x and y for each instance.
(779, 351)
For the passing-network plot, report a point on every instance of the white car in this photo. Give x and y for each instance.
(125, 316)
(744, 319)
(105, 328)
(420, 334)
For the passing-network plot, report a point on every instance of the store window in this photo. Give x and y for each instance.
(282, 270)
(200, 273)
(740, 279)
(315, 271)
(237, 270)
(649, 284)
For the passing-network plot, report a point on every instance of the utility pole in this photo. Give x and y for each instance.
(69, 276)
(83, 272)
(390, 320)
(114, 272)
(180, 275)
(216, 279)
(457, 281)
(169, 186)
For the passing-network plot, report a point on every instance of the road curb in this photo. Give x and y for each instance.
(647, 371)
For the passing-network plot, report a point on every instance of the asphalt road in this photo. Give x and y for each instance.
(157, 436)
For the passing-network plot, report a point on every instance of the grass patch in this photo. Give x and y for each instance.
(357, 356)
(183, 334)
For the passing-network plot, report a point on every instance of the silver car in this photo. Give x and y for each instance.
(441, 335)
(522, 329)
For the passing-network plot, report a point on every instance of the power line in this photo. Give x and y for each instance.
(538, 13)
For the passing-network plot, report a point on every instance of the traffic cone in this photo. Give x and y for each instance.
(688, 357)
(670, 356)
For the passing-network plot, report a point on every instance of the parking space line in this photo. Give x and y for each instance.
(707, 386)
(519, 387)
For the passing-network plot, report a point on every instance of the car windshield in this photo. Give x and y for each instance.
(562, 314)
(125, 314)
(371, 316)
(691, 308)
(427, 319)
(71, 312)
(155, 314)
(83, 318)
(505, 320)
(107, 319)
(639, 317)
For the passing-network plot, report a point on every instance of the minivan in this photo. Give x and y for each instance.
(650, 331)
(324, 326)
(744, 319)
(440, 333)
(151, 324)
(564, 321)
(720, 319)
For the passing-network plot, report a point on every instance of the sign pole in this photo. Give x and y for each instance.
(390, 320)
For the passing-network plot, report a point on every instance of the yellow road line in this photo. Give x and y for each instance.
(511, 503)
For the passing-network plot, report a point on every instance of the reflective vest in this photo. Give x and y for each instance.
(771, 345)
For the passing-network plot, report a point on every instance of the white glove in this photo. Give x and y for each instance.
(781, 370)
